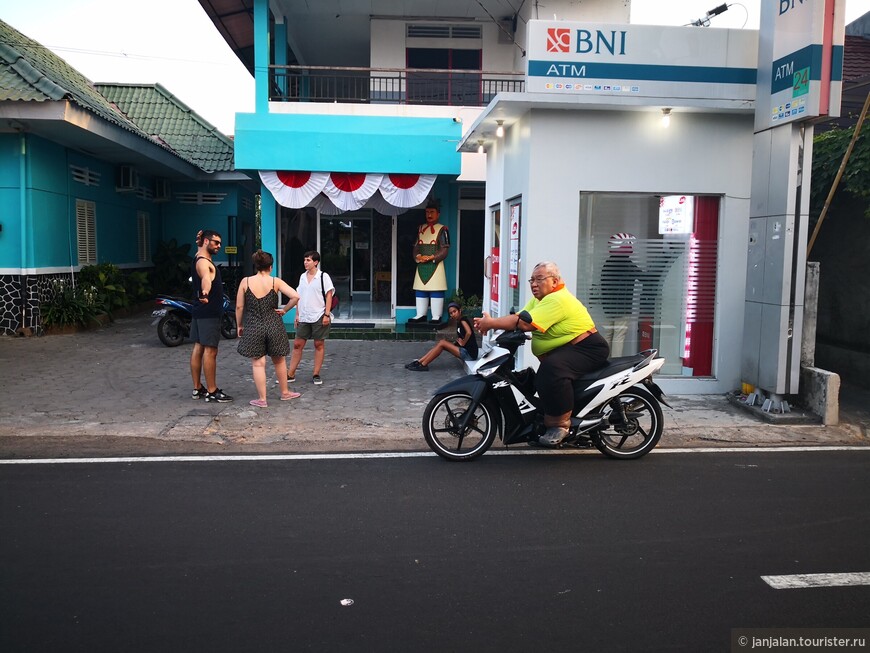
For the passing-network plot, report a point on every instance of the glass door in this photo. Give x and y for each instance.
(346, 254)
(361, 258)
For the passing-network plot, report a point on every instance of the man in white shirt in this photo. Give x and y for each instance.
(313, 315)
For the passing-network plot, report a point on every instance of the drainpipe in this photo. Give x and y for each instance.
(22, 175)
(23, 329)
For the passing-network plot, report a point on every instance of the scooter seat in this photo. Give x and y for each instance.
(613, 366)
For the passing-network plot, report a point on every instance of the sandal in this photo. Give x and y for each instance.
(290, 395)
(259, 403)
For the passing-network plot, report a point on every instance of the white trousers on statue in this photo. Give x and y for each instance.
(422, 306)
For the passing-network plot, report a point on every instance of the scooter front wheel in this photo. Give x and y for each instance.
(441, 426)
(640, 430)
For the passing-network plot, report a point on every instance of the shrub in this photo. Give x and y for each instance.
(471, 306)
(69, 305)
(108, 280)
(137, 286)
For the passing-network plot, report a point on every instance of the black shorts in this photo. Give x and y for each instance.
(206, 331)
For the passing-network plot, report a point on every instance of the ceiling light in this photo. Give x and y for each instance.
(666, 117)
(500, 129)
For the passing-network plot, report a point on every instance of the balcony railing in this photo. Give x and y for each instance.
(389, 85)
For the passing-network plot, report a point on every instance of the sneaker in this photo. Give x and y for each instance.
(553, 436)
(317, 380)
(291, 379)
(290, 395)
(259, 403)
(219, 396)
(417, 366)
(199, 393)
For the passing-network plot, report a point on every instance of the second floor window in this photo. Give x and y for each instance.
(453, 87)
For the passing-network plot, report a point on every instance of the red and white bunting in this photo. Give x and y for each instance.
(349, 191)
(294, 188)
(324, 205)
(377, 203)
(406, 191)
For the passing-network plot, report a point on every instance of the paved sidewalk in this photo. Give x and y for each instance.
(119, 391)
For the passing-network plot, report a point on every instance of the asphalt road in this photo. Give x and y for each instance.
(507, 553)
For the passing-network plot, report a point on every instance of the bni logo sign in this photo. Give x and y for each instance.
(558, 39)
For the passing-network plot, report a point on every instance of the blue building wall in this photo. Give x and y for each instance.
(10, 201)
(50, 196)
(38, 238)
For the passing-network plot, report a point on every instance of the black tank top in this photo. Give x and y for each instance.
(471, 345)
(215, 305)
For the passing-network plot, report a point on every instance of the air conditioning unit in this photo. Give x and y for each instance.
(507, 28)
(126, 179)
(162, 192)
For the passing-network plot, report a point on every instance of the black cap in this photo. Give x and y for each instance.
(433, 204)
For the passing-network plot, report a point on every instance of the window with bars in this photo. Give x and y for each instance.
(143, 225)
(86, 232)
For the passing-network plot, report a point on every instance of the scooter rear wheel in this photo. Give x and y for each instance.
(638, 434)
(170, 330)
(228, 326)
(441, 421)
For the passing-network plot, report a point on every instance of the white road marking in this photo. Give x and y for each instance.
(400, 454)
(802, 581)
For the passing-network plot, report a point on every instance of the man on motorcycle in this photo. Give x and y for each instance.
(564, 339)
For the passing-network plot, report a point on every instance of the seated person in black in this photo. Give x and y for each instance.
(464, 348)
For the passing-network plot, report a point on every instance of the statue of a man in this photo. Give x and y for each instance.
(430, 280)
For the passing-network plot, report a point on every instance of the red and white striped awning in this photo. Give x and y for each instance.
(389, 194)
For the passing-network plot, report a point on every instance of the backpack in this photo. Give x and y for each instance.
(334, 308)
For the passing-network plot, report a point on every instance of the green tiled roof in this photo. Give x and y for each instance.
(164, 116)
(31, 72)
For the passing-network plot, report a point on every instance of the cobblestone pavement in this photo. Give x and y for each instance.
(119, 391)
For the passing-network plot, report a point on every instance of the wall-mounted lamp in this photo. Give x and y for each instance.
(666, 117)
(480, 149)
(499, 131)
(705, 21)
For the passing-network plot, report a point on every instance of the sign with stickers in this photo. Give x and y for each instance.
(800, 61)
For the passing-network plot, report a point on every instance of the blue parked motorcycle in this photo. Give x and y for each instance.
(173, 319)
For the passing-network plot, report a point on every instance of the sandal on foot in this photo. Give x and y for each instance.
(290, 395)
(259, 403)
